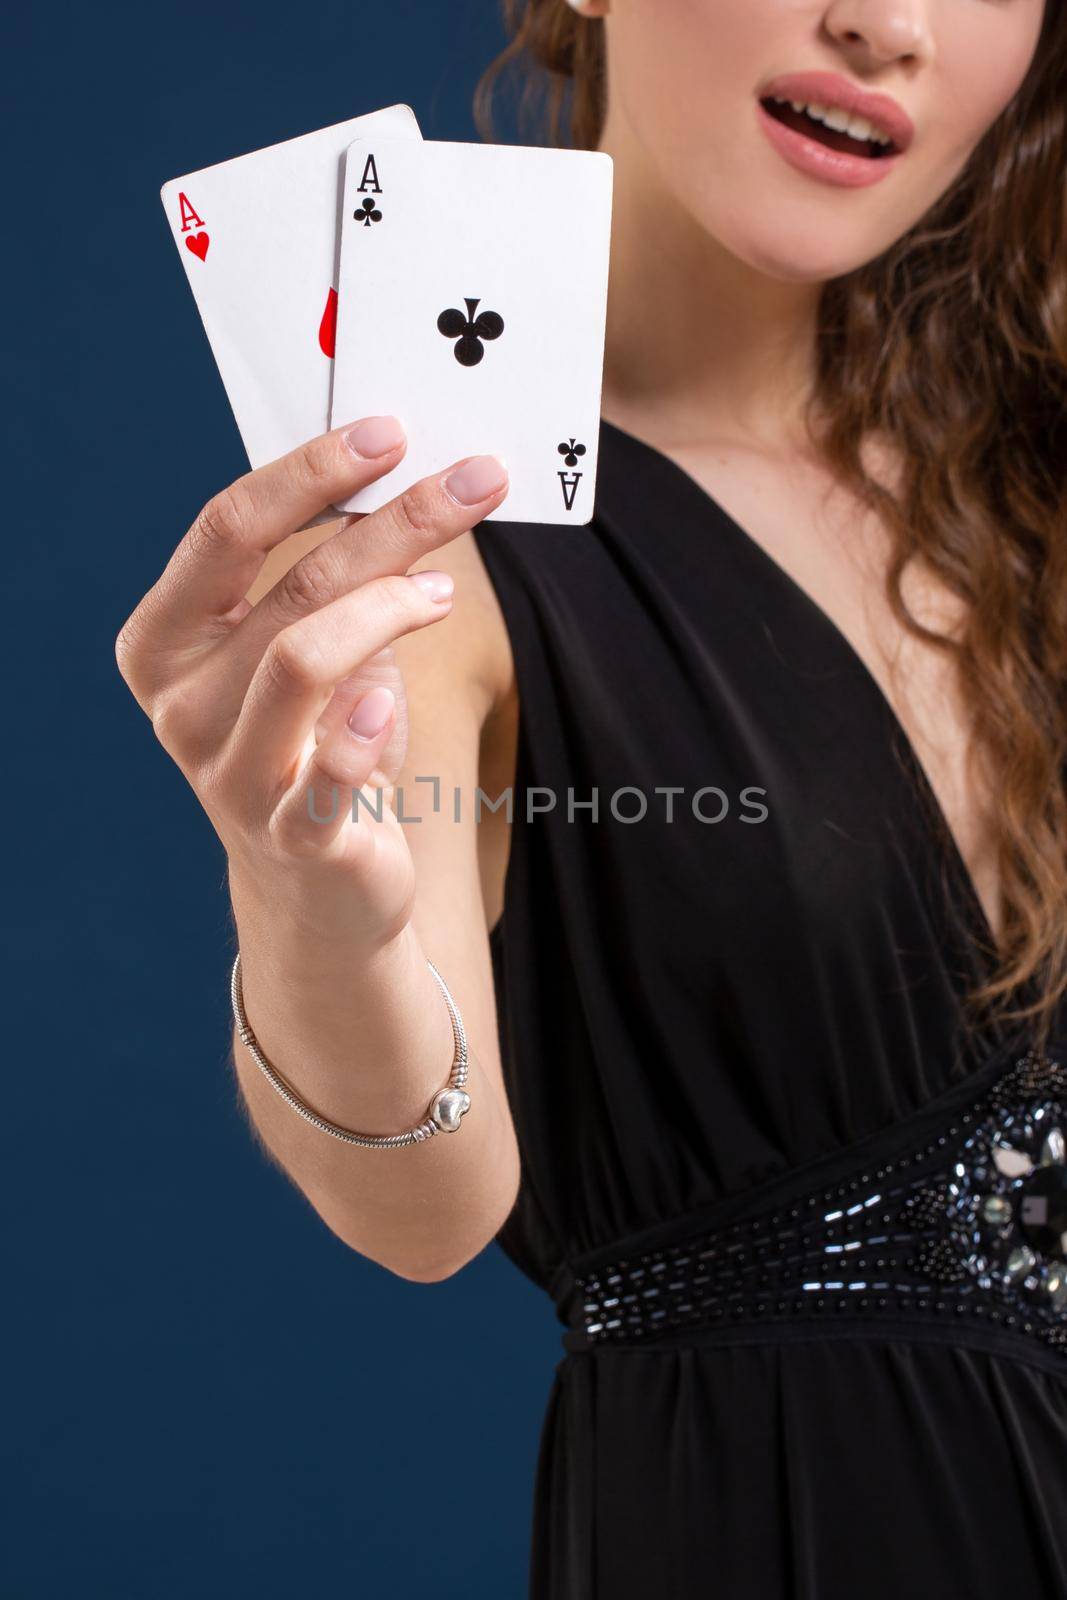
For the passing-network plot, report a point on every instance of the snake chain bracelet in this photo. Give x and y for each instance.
(443, 1113)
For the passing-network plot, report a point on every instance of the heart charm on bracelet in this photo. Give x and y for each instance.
(447, 1108)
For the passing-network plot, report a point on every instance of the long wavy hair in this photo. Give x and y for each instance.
(952, 346)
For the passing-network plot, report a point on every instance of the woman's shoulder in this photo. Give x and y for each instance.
(478, 648)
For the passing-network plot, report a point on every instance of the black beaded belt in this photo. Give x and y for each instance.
(972, 1225)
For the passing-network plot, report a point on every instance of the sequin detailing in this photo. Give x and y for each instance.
(972, 1224)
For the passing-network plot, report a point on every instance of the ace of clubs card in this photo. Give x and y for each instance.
(473, 293)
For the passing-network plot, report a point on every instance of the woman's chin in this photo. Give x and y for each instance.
(806, 256)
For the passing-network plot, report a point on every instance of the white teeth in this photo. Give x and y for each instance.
(834, 117)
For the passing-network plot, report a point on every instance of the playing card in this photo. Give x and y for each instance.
(258, 239)
(473, 293)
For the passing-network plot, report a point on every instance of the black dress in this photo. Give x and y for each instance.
(832, 1361)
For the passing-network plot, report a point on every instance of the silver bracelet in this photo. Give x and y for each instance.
(445, 1110)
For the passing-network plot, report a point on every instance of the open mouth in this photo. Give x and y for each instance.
(832, 127)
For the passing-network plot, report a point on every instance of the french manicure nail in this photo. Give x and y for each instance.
(438, 585)
(374, 436)
(477, 479)
(371, 713)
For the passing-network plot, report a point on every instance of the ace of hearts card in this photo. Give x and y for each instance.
(258, 238)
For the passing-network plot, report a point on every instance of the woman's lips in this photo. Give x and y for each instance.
(831, 89)
(819, 161)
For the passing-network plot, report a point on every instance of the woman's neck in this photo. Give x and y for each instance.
(700, 345)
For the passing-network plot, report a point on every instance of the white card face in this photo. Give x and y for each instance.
(473, 296)
(258, 238)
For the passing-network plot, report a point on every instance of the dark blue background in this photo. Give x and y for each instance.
(208, 1394)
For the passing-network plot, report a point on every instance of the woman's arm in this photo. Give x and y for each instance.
(275, 683)
(368, 1047)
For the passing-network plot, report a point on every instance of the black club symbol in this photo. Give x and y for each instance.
(469, 331)
(570, 452)
(367, 213)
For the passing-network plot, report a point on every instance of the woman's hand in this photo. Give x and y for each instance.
(280, 713)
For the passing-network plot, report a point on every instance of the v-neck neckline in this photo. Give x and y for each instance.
(704, 499)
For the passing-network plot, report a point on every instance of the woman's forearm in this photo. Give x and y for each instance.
(366, 1043)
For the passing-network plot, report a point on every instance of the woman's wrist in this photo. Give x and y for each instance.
(314, 913)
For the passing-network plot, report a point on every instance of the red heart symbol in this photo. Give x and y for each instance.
(328, 325)
(197, 243)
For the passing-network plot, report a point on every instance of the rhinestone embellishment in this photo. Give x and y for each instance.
(971, 1224)
(1004, 1203)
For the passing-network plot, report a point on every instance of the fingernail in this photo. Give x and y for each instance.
(374, 436)
(372, 713)
(477, 479)
(438, 585)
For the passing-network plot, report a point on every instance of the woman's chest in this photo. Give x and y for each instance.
(837, 554)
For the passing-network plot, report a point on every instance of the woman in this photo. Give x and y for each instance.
(783, 1022)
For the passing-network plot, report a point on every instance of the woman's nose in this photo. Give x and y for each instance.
(882, 30)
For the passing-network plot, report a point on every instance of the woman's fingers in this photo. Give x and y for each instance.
(213, 567)
(390, 540)
(300, 668)
(323, 800)
(387, 542)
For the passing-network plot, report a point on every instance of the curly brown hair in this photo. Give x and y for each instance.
(952, 347)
